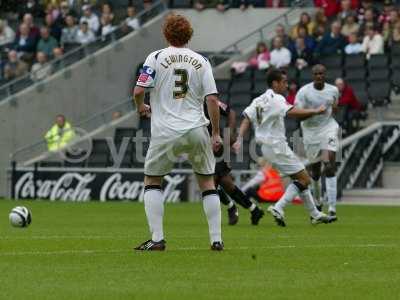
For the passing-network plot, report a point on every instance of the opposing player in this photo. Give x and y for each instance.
(320, 135)
(223, 178)
(180, 79)
(267, 113)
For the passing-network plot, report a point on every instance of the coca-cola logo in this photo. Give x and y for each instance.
(83, 187)
(115, 188)
(69, 187)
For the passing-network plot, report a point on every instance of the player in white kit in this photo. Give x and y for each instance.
(180, 79)
(320, 135)
(266, 113)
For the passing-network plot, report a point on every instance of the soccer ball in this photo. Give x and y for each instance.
(20, 216)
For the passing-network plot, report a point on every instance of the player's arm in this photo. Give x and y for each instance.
(138, 96)
(232, 125)
(213, 113)
(244, 127)
(304, 113)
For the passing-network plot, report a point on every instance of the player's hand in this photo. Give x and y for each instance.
(237, 146)
(320, 110)
(216, 141)
(144, 110)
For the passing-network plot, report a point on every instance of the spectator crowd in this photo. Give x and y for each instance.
(34, 32)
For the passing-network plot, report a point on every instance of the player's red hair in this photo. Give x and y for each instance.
(177, 30)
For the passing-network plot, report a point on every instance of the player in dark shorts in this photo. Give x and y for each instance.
(224, 180)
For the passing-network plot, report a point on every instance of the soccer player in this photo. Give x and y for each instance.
(223, 178)
(180, 79)
(320, 135)
(267, 113)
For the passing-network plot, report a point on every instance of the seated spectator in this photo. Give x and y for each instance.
(345, 10)
(7, 35)
(372, 42)
(46, 43)
(65, 11)
(32, 7)
(261, 59)
(304, 22)
(331, 7)
(319, 33)
(368, 21)
(58, 64)
(281, 33)
(148, 3)
(41, 69)
(275, 3)
(34, 31)
(54, 28)
(388, 27)
(301, 55)
(394, 37)
(15, 67)
(319, 19)
(347, 96)
(106, 10)
(354, 46)
(25, 44)
(384, 17)
(309, 40)
(90, 18)
(293, 88)
(69, 33)
(280, 56)
(365, 5)
(106, 26)
(60, 134)
(85, 35)
(350, 26)
(203, 4)
(131, 20)
(333, 41)
(58, 53)
(53, 10)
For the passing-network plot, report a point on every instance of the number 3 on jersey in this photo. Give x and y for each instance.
(182, 84)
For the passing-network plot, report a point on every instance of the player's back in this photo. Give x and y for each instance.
(181, 78)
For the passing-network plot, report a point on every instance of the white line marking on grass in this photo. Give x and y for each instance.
(128, 251)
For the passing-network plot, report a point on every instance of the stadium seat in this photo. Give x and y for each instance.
(240, 85)
(222, 85)
(354, 61)
(305, 76)
(355, 74)
(396, 80)
(378, 74)
(362, 96)
(181, 3)
(378, 61)
(395, 50)
(260, 75)
(260, 86)
(292, 73)
(379, 93)
(332, 61)
(333, 73)
(239, 99)
(120, 133)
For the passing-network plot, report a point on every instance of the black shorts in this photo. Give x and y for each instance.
(222, 168)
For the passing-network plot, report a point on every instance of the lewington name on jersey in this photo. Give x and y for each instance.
(180, 59)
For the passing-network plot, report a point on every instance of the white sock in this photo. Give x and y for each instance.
(309, 203)
(154, 207)
(291, 192)
(212, 210)
(331, 191)
(252, 207)
(316, 187)
(231, 204)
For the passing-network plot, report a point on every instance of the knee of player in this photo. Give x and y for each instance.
(227, 184)
(330, 169)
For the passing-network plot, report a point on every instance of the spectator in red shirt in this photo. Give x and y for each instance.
(331, 7)
(347, 97)
(292, 92)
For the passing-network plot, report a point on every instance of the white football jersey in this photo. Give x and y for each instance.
(180, 80)
(309, 97)
(267, 113)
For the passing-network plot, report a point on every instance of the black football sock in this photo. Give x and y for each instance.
(224, 198)
(242, 199)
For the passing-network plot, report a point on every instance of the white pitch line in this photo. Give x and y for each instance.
(87, 251)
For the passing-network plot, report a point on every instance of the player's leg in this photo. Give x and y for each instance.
(329, 161)
(233, 212)
(203, 163)
(241, 198)
(315, 172)
(158, 163)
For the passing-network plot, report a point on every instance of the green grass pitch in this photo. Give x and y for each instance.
(84, 251)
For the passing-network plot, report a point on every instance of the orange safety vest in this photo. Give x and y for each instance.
(272, 189)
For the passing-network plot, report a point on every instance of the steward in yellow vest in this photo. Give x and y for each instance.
(60, 134)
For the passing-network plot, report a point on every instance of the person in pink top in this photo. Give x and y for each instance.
(260, 60)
